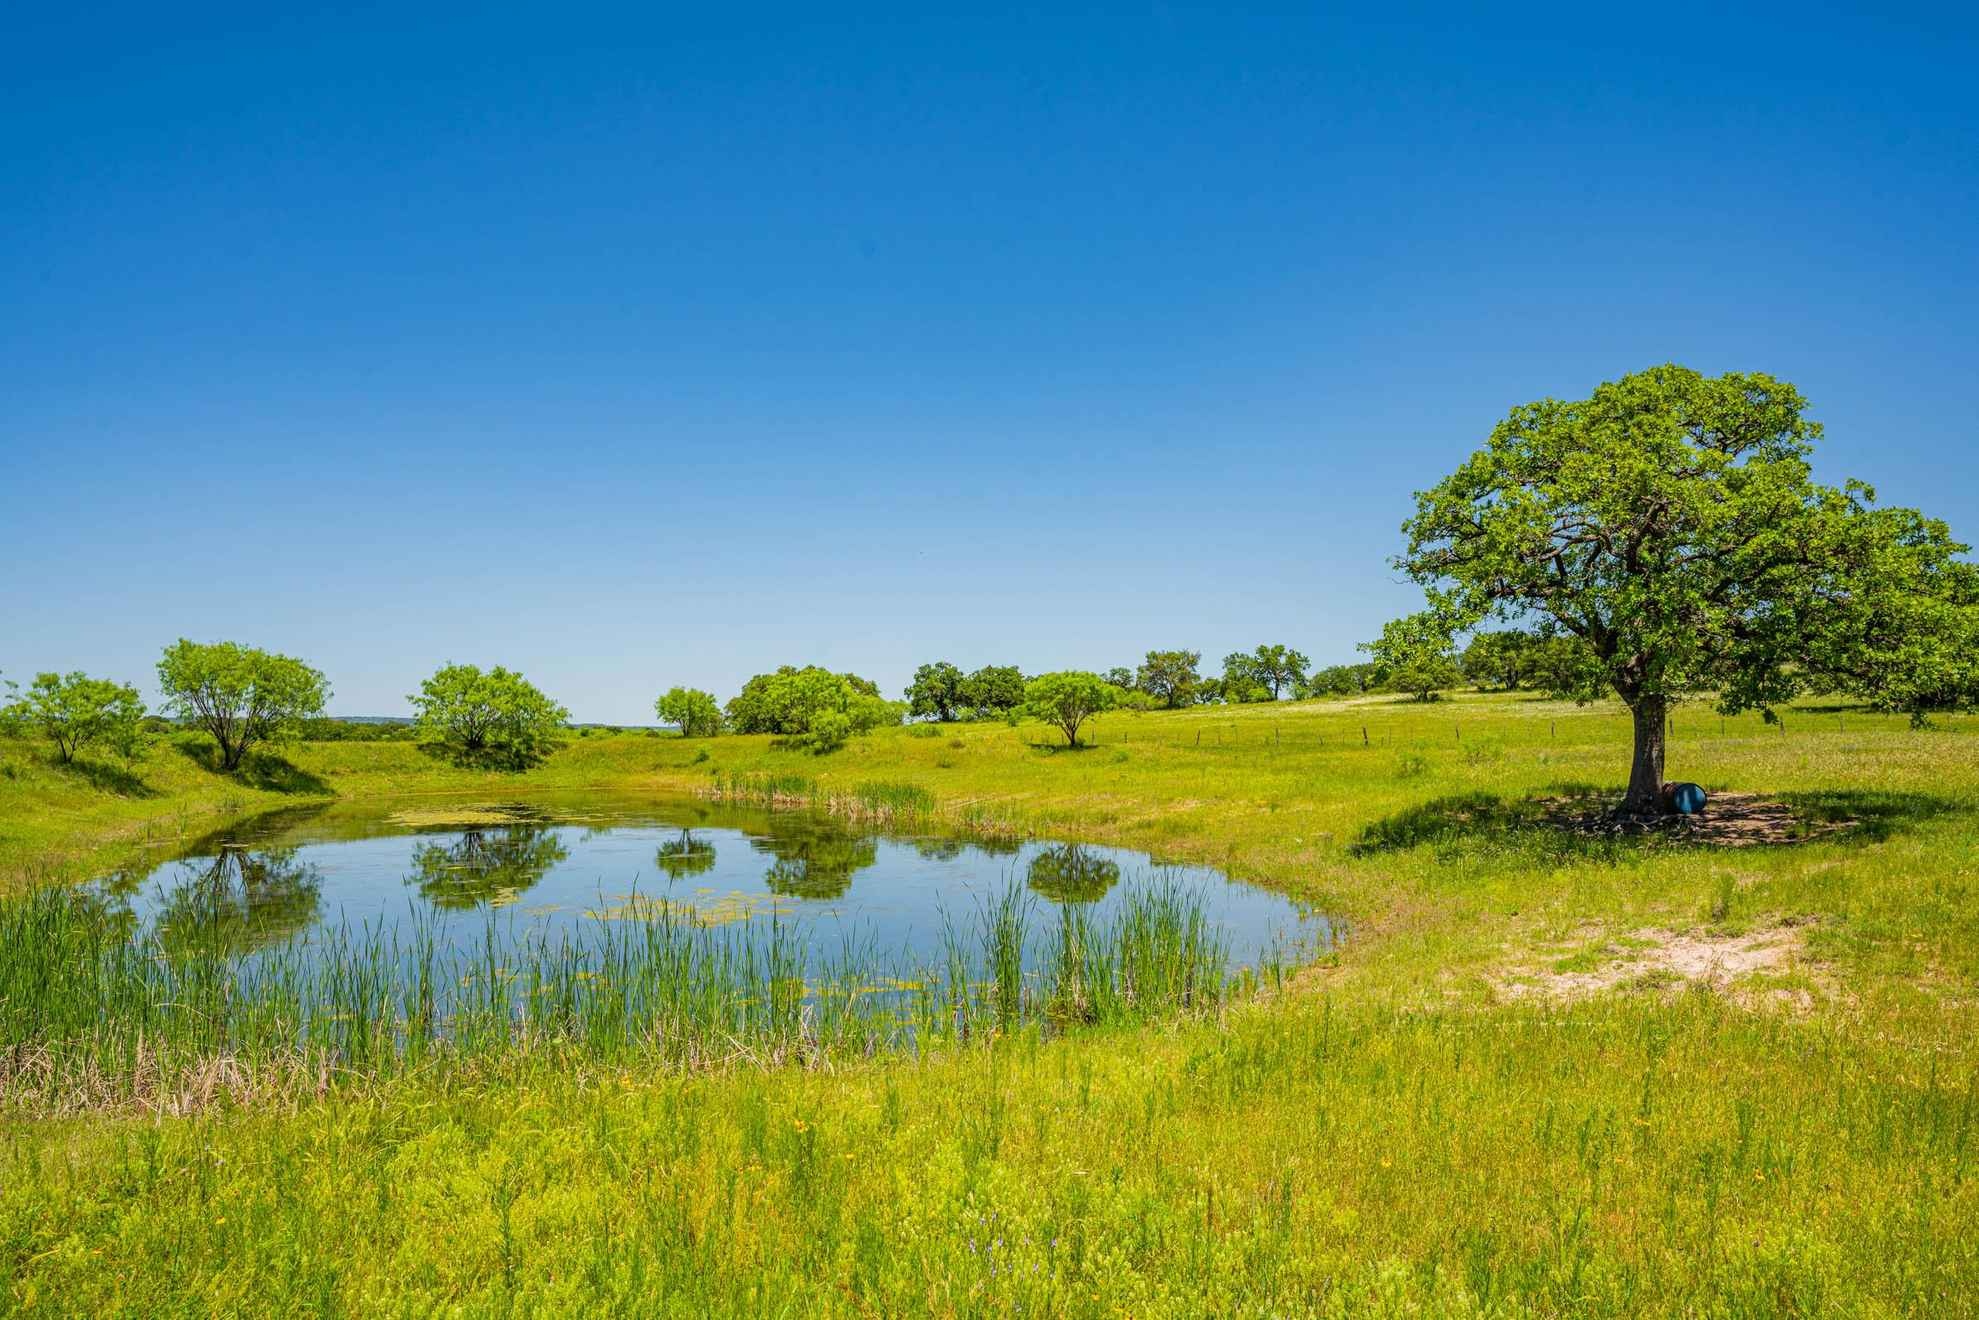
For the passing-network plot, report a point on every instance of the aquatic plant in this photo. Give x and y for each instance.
(92, 1012)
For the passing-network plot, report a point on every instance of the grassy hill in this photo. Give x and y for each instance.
(1550, 1070)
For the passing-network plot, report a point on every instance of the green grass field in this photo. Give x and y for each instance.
(1546, 1073)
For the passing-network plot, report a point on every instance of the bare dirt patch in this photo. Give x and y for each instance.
(1729, 820)
(1656, 959)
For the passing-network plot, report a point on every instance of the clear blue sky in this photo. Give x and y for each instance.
(640, 347)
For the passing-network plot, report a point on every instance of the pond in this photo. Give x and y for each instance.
(519, 874)
(351, 938)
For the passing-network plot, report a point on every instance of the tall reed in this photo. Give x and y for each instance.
(91, 1012)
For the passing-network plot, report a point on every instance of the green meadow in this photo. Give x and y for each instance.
(1550, 1069)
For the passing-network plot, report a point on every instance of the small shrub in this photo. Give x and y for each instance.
(829, 731)
(1411, 765)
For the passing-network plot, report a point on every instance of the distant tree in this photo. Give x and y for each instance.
(239, 694)
(74, 710)
(496, 716)
(1209, 690)
(1501, 659)
(1278, 668)
(1241, 680)
(1340, 681)
(1671, 523)
(812, 705)
(936, 692)
(1068, 699)
(767, 703)
(1414, 655)
(695, 713)
(1913, 645)
(1324, 681)
(1562, 665)
(1119, 676)
(1170, 677)
(993, 690)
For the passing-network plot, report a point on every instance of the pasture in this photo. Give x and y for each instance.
(1549, 1069)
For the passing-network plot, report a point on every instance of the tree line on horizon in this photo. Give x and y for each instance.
(244, 696)
(1662, 540)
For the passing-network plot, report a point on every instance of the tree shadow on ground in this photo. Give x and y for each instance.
(486, 758)
(1870, 815)
(107, 778)
(1055, 748)
(262, 770)
(1456, 821)
(1555, 823)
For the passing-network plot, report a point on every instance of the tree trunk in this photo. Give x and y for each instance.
(1645, 795)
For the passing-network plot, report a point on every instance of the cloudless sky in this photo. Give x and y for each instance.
(643, 346)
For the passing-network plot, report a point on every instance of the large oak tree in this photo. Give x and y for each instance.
(1671, 522)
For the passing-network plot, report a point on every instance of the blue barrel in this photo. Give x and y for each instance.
(1688, 799)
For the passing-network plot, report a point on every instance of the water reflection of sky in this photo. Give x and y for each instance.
(539, 871)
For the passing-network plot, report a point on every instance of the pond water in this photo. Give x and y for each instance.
(517, 873)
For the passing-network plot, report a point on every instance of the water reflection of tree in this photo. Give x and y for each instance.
(1070, 873)
(485, 864)
(814, 858)
(686, 856)
(239, 902)
(947, 850)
